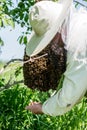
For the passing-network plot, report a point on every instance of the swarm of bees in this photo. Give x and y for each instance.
(43, 71)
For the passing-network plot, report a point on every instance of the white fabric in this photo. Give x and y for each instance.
(46, 17)
(75, 81)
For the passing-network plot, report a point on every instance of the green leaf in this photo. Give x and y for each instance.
(25, 40)
(21, 15)
(20, 39)
(1, 42)
(22, 24)
(1, 23)
(5, 21)
(11, 23)
(21, 5)
(26, 18)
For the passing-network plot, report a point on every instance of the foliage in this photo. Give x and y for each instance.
(20, 16)
(10, 73)
(13, 115)
(5, 19)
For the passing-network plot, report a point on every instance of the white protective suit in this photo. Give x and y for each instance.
(74, 34)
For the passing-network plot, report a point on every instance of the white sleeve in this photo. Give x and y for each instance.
(75, 80)
(73, 89)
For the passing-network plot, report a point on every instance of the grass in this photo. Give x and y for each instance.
(13, 115)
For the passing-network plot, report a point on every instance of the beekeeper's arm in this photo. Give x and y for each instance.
(73, 89)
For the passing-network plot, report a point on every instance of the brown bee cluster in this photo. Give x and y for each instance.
(43, 71)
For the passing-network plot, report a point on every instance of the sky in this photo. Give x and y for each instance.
(12, 49)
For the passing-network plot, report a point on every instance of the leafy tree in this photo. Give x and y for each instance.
(5, 18)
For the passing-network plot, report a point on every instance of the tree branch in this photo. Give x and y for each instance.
(80, 3)
(9, 84)
(7, 64)
(12, 60)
